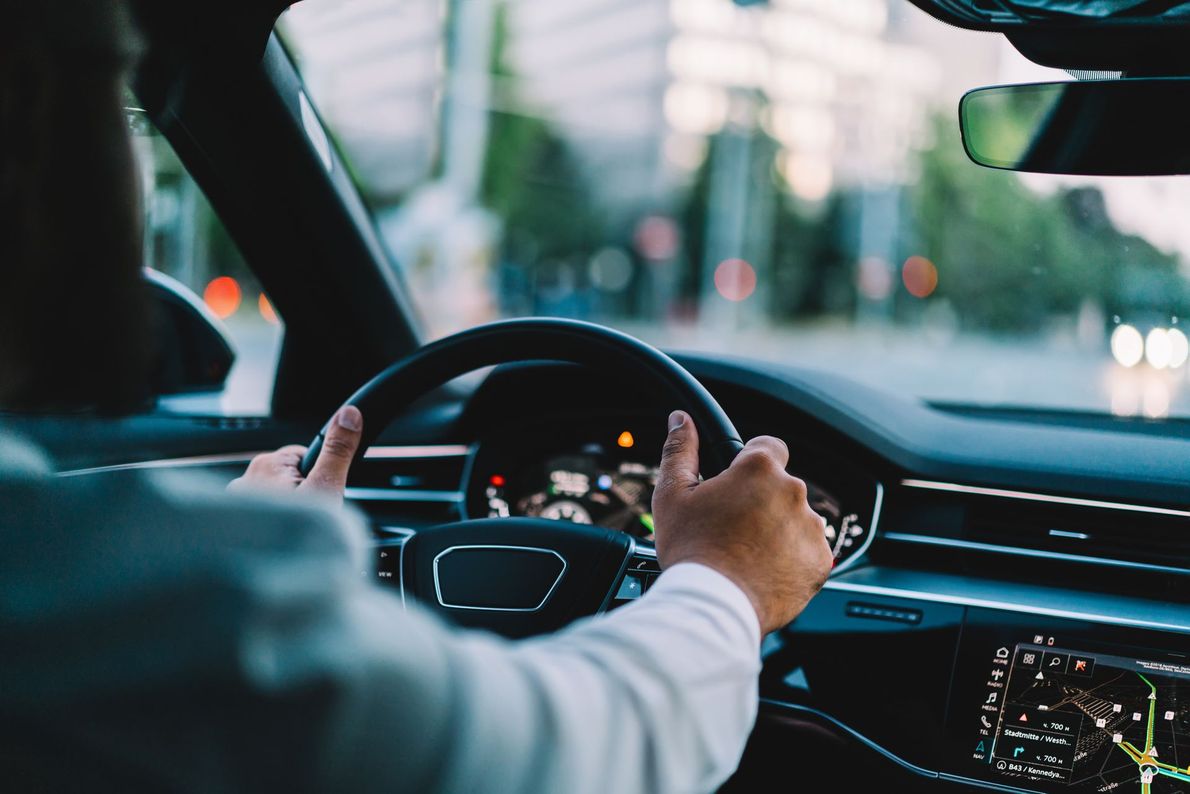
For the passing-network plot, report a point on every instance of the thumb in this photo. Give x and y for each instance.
(338, 450)
(679, 456)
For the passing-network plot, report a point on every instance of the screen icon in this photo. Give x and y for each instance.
(991, 698)
(984, 721)
(998, 673)
(1026, 658)
(1081, 665)
(1001, 653)
(1038, 639)
(1054, 662)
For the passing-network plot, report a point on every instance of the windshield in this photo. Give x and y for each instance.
(778, 180)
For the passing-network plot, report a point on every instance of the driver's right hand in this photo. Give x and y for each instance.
(752, 523)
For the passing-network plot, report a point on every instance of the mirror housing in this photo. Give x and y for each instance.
(190, 350)
(1128, 127)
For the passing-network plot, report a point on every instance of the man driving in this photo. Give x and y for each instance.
(162, 633)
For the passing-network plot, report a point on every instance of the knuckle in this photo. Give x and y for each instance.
(674, 445)
(797, 487)
(337, 447)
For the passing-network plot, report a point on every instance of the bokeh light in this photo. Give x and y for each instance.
(610, 269)
(1157, 348)
(920, 276)
(266, 309)
(735, 279)
(1127, 345)
(657, 238)
(223, 296)
(1179, 348)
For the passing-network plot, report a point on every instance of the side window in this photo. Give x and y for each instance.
(186, 241)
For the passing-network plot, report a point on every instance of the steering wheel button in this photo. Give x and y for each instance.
(632, 587)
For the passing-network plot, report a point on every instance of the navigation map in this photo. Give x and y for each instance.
(1094, 721)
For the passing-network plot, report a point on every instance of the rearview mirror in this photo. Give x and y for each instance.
(1131, 127)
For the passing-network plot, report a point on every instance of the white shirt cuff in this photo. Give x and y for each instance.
(694, 576)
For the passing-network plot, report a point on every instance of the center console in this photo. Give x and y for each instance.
(1003, 699)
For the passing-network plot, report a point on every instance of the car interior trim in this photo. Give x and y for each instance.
(883, 751)
(402, 537)
(427, 451)
(1075, 501)
(1032, 608)
(863, 549)
(400, 495)
(167, 463)
(993, 548)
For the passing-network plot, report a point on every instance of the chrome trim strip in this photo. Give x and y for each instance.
(634, 549)
(992, 548)
(1063, 533)
(863, 549)
(1040, 497)
(167, 463)
(890, 755)
(405, 534)
(400, 495)
(1004, 606)
(427, 451)
(378, 452)
(643, 551)
(550, 592)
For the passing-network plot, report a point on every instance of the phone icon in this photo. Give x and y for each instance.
(984, 721)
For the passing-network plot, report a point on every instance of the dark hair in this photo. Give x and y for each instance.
(72, 300)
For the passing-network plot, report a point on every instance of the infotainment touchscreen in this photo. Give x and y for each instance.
(1053, 714)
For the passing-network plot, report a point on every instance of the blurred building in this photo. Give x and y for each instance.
(638, 86)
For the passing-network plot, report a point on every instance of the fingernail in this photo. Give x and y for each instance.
(351, 419)
(676, 420)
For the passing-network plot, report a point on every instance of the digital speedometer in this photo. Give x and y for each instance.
(604, 481)
(583, 488)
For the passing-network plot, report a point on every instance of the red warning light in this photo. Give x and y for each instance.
(497, 480)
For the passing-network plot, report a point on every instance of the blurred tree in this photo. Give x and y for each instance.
(1010, 258)
(532, 180)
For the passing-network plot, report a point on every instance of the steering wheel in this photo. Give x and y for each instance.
(522, 576)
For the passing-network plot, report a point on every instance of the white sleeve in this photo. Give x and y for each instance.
(657, 697)
(211, 642)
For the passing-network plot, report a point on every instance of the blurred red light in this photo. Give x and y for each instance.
(223, 296)
(497, 480)
(735, 279)
(920, 276)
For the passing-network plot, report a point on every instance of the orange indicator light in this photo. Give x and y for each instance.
(626, 440)
(497, 480)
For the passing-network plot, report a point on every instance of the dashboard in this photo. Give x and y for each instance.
(592, 471)
(976, 552)
(954, 586)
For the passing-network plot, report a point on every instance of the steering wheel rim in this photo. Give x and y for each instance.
(521, 576)
(540, 339)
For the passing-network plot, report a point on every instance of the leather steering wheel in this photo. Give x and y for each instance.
(522, 575)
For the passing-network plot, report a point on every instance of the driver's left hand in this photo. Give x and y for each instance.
(280, 470)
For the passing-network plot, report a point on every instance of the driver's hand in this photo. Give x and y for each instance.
(751, 523)
(280, 470)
